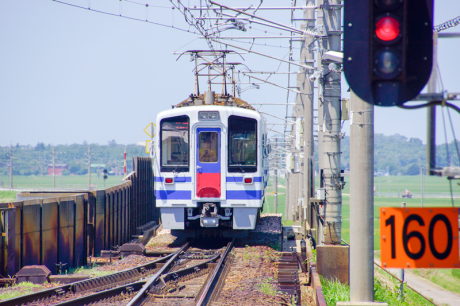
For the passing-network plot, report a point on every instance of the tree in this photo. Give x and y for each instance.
(40, 146)
(413, 169)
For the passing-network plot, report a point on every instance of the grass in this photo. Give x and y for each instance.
(91, 272)
(7, 196)
(447, 278)
(434, 186)
(386, 289)
(17, 290)
(68, 181)
(268, 286)
(385, 202)
(334, 291)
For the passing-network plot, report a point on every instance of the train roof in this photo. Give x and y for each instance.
(219, 100)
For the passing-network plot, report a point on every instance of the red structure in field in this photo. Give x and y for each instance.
(58, 168)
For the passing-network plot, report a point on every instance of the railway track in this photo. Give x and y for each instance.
(84, 287)
(174, 289)
(185, 277)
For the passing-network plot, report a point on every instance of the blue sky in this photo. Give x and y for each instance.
(69, 75)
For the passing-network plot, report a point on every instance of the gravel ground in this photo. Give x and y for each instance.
(267, 232)
(251, 280)
(164, 241)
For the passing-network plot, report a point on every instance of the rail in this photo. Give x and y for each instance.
(206, 294)
(141, 295)
(97, 283)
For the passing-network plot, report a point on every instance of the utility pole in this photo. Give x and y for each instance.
(11, 166)
(89, 168)
(431, 112)
(275, 179)
(331, 126)
(388, 180)
(54, 173)
(421, 183)
(307, 97)
(361, 201)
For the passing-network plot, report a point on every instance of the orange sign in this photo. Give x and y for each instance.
(419, 237)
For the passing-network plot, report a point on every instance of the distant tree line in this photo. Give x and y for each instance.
(401, 155)
(34, 160)
(397, 154)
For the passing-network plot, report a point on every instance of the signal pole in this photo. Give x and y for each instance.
(431, 112)
(361, 201)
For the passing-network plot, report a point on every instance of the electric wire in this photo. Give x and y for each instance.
(448, 24)
(432, 103)
(123, 16)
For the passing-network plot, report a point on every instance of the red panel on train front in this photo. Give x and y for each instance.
(208, 185)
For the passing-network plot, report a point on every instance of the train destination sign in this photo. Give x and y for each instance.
(419, 237)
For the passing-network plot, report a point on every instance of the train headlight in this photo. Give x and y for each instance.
(208, 116)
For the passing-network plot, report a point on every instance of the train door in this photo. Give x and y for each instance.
(208, 163)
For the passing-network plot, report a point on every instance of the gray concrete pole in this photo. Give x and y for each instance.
(319, 22)
(89, 168)
(331, 164)
(307, 54)
(361, 201)
(54, 173)
(431, 112)
(287, 208)
(275, 179)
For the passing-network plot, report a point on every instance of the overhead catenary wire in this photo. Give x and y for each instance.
(127, 17)
(448, 24)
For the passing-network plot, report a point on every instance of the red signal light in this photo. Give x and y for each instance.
(387, 28)
(248, 180)
(169, 180)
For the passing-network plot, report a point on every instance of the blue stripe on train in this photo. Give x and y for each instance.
(187, 195)
(179, 179)
(173, 194)
(244, 195)
(239, 179)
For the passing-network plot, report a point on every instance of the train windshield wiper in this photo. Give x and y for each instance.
(239, 166)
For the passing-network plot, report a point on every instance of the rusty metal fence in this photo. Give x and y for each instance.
(68, 227)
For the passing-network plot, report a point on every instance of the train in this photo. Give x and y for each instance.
(210, 166)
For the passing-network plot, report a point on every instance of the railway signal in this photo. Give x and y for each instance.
(388, 49)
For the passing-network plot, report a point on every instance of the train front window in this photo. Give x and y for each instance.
(209, 147)
(175, 144)
(242, 144)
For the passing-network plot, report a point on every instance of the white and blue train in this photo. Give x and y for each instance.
(211, 165)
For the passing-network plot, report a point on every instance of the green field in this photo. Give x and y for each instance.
(435, 186)
(62, 182)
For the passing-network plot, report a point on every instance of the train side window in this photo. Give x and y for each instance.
(242, 144)
(175, 151)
